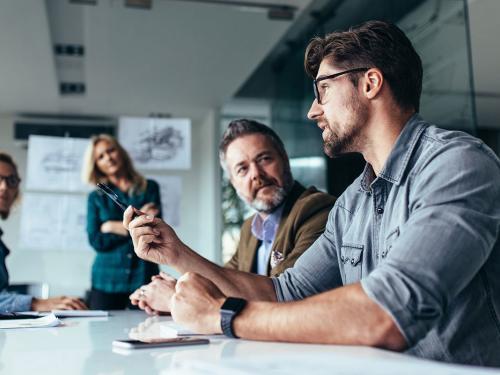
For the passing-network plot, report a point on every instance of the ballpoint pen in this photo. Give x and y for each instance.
(111, 194)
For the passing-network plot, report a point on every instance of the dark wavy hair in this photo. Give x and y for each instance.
(376, 44)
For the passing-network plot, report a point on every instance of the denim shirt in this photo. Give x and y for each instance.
(10, 301)
(422, 239)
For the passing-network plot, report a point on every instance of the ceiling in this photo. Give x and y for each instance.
(180, 58)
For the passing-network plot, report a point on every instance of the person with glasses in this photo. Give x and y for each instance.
(13, 302)
(410, 257)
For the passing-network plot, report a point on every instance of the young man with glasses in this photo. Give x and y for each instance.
(410, 256)
(12, 302)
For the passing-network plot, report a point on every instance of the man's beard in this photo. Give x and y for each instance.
(337, 144)
(267, 206)
(277, 196)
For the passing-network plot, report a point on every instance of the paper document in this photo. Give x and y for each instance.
(44, 321)
(67, 313)
(79, 313)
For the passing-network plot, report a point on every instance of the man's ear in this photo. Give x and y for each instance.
(373, 83)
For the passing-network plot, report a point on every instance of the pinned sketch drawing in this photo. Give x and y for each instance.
(170, 192)
(53, 222)
(157, 143)
(55, 164)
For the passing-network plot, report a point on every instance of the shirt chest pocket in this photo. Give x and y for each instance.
(351, 257)
(389, 241)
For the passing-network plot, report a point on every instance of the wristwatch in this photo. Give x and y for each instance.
(228, 311)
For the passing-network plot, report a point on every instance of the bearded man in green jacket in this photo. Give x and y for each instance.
(288, 218)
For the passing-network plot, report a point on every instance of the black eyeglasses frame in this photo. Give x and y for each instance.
(12, 181)
(331, 76)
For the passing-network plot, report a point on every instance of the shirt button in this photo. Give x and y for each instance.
(129, 256)
(380, 210)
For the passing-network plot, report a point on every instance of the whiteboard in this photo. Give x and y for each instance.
(53, 222)
(171, 193)
(55, 164)
(157, 143)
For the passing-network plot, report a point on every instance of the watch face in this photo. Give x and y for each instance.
(233, 304)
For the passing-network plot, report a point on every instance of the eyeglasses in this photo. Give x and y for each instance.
(12, 181)
(318, 92)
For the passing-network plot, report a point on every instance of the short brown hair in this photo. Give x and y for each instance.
(92, 175)
(376, 44)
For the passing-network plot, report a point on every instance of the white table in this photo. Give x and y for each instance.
(83, 346)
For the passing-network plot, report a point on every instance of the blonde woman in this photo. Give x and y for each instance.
(116, 271)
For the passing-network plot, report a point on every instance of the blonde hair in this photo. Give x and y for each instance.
(92, 175)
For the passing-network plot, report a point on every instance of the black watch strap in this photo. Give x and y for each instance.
(228, 311)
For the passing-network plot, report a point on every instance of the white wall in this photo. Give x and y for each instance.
(68, 272)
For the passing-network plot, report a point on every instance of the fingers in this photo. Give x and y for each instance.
(139, 221)
(128, 215)
(135, 297)
(166, 276)
(70, 303)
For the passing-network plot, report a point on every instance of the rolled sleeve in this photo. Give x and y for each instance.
(14, 302)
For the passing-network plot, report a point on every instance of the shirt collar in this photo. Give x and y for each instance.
(397, 162)
(265, 230)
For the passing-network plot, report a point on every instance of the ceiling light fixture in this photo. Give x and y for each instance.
(274, 11)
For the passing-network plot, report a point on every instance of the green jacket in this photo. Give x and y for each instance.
(116, 268)
(303, 220)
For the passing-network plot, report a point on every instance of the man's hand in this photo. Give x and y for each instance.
(153, 239)
(150, 209)
(196, 304)
(57, 303)
(155, 296)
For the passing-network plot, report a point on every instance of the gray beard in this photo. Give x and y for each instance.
(277, 199)
(264, 207)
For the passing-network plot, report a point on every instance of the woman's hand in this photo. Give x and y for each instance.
(115, 227)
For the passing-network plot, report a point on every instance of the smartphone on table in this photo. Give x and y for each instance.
(159, 343)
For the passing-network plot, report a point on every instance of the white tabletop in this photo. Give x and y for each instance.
(83, 346)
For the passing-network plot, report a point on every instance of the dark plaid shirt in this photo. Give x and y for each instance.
(116, 268)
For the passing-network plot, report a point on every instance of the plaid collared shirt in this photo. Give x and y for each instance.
(116, 268)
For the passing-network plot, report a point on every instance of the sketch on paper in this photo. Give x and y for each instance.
(55, 164)
(170, 192)
(157, 143)
(60, 161)
(53, 222)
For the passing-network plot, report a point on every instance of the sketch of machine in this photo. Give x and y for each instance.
(159, 144)
(60, 161)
